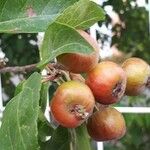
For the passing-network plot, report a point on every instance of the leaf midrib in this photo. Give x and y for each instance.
(18, 123)
(26, 18)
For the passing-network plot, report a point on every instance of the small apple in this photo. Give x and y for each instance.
(138, 75)
(78, 62)
(107, 82)
(72, 104)
(107, 124)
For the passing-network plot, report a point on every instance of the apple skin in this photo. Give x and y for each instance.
(78, 62)
(138, 74)
(107, 82)
(72, 104)
(107, 124)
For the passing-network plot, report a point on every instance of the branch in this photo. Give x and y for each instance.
(28, 68)
(19, 69)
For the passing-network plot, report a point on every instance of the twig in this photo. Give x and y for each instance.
(76, 77)
(73, 142)
(19, 69)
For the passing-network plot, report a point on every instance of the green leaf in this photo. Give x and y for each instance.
(60, 39)
(19, 123)
(44, 95)
(34, 16)
(44, 127)
(30, 15)
(68, 139)
(82, 137)
(19, 88)
(82, 14)
(52, 90)
(60, 140)
(47, 91)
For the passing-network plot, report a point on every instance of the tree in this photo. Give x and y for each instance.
(24, 125)
(27, 128)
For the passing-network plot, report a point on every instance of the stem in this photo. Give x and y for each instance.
(49, 78)
(27, 68)
(66, 75)
(19, 69)
(101, 107)
(76, 77)
(73, 142)
(96, 107)
(62, 80)
(56, 66)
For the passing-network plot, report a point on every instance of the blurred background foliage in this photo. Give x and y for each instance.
(20, 49)
(137, 136)
(131, 36)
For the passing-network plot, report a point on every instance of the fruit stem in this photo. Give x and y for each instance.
(62, 80)
(96, 107)
(66, 74)
(76, 77)
(73, 145)
(101, 107)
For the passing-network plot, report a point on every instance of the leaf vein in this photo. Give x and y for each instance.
(18, 123)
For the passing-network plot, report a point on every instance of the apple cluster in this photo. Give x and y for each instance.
(75, 102)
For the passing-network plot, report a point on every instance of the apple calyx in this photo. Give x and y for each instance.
(118, 90)
(79, 111)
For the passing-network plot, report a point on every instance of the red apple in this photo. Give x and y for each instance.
(138, 74)
(72, 104)
(107, 124)
(78, 62)
(107, 82)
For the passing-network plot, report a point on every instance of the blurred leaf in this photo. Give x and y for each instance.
(62, 137)
(18, 48)
(82, 138)
(44, 127)
(60, 140)
(137, 135)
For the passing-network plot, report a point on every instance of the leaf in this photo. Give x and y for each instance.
(30, 15)
(60, 140)
(82, 137)
(60, 39)
(19, 88)
(52, 90)
(44, 95)
(63, 137)
(34, 16)
(19, 123)
(82, 14)
(44, 127)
